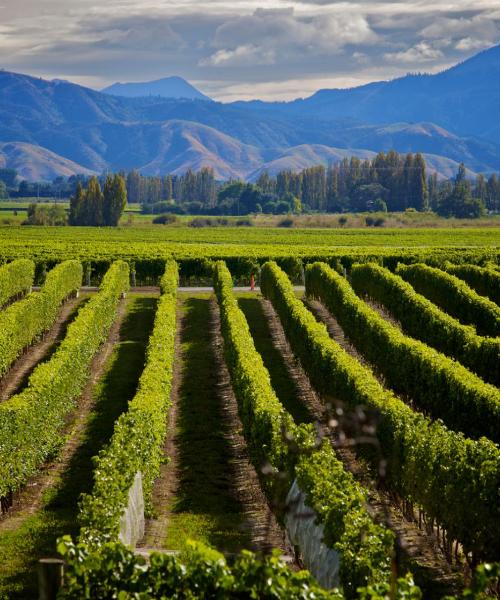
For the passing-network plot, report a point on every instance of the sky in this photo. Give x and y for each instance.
(242, 49)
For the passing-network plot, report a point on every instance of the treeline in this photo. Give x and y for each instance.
(200, 187)
(388, 182)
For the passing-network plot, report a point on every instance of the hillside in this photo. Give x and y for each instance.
(35, 163)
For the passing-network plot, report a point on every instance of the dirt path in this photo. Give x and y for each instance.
(22, 368)
(417, 550)
(209, 480)
(265, 533)
(30, 498)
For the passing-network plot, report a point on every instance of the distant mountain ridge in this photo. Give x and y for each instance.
(82, 130)
(168, 87)
(464, 98)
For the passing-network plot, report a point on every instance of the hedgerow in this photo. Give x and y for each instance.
(437, 384)
(423, 320)
(291, 450)
(454, 296)
(199, 573)
(454, 480)
(136, 444)
(484, 280)
(32, 422)
(22, 322)
(16, 278)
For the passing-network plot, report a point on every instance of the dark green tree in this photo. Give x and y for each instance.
(114, 200)
(76, 205)
(93, 205)
(134, 187)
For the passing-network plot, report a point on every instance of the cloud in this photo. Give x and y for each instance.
(469, 43)
(245, 55)
(266, 36)
(420, 53)
(250, 47)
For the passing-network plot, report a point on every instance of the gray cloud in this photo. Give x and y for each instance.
(249, 48)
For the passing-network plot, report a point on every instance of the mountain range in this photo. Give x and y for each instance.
(50, 128)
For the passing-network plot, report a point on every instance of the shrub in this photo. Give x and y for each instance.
(167, 219)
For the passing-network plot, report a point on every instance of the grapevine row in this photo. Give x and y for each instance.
(435, 468)
(31, 422)
(136, 444)
(16, 278)
(269, 429)
(423, 320)
(454, 296)
(484, 280)
(437, 384)
(149, 255)
(22, 322)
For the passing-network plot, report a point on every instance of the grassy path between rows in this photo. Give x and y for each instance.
(201, 506)
(35, 537)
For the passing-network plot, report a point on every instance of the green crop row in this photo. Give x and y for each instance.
(456, 481)
(22, 322)
(202, 573)
(31, 423)
(437, 384)
(16, 278)
(423, 320)
(136, 444)
(454, 296)
(275, 440)
(484, 280)
(242, 249)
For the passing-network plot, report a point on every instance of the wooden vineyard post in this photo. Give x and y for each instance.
(50, 577)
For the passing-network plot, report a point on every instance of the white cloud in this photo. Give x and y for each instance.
(469, 43)
(420, 53)
(245, 55)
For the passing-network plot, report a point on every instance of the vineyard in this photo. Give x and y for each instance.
(167, 431)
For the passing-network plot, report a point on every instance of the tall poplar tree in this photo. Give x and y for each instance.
(76, 204)
(114, 200)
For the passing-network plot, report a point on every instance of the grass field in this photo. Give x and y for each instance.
(13, 212)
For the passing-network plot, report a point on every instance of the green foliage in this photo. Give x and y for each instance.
(15, 278)
(113, 571)
(423, 320)
(454, 296)
(22, 322)
(242, 248)
(265, 421)
(484, 280)
(114, 199)
(274, 439)
(436, 384)
(457, 201)
(54, 215)
(429, 465)
(341, 503)
(31, 423)
(93, 207)
(136, 445)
